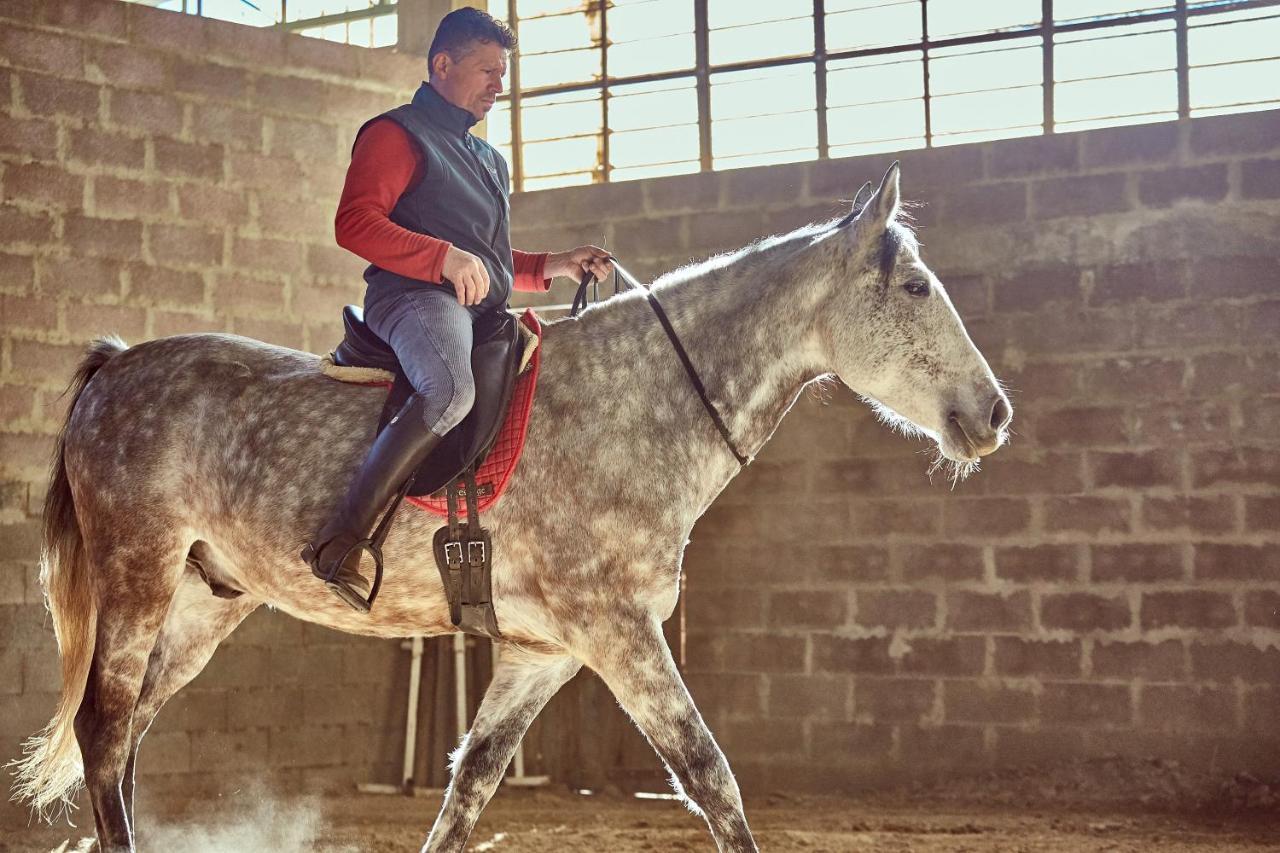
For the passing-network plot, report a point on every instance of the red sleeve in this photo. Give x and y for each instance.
(384, 163)
(529, 268)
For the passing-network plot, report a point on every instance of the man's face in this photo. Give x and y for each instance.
(474, 81)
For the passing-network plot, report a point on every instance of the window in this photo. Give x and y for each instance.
(986, 90)
(740, 31)
(622, 89)
(1234, 62)
(875, 103)
(763, 115)
(367, 23)
(653, 129)
(613, 90)
(1124, 74)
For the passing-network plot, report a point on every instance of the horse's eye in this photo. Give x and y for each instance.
(919, 287)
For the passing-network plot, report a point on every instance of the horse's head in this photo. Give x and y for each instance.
(893, 336)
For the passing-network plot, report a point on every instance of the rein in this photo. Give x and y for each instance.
(580, 302)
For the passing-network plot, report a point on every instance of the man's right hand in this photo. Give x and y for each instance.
(468, 275)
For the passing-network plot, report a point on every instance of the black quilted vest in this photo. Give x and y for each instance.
(462, 196)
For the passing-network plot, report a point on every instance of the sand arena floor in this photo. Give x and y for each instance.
(1099, 807)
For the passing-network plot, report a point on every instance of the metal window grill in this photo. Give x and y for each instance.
(366, 23)
(830, 67)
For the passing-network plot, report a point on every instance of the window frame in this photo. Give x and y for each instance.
(376, 9)
(1180, 12)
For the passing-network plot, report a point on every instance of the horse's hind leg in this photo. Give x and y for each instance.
(136, 582)
(636, 664)
(522, 684)
(196, 623)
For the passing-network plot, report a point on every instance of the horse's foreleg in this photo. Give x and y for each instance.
(135, 585)
(636, 663)
(522, 684)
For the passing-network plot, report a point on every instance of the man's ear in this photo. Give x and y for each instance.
(440, 64)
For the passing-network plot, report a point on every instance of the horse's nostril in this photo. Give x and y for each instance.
(1000, 413)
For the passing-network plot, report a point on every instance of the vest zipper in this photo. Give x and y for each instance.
(489, 178)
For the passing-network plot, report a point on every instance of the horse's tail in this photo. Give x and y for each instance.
(52, 770)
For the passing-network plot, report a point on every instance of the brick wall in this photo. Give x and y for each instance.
(163, 174)
(1108, 583)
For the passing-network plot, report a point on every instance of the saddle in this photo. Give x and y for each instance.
(463, 550)
(495, 361)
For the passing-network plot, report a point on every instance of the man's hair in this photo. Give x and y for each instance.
(462, 28)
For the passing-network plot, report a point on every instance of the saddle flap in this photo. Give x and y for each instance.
(495, 361)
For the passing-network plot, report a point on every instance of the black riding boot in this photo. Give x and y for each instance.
(334, 554)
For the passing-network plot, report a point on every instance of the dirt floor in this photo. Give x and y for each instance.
(1114, 807)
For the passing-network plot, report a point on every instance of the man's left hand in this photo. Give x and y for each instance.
(575, 262)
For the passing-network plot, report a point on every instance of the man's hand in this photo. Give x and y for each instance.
(468, 275)
(575, 262)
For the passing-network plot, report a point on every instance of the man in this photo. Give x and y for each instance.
(425, 202)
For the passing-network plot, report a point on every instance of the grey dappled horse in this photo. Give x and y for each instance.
(202, 463)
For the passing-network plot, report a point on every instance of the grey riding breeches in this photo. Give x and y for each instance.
(432, 336)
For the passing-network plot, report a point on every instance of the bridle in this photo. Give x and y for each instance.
(580, 302)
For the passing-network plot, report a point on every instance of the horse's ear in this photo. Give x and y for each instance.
(885, 203)
(878, 210)
(860, 200)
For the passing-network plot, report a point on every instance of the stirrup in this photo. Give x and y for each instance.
(341, 588)
(373, 545)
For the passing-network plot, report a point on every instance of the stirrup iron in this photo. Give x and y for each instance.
(372, 544)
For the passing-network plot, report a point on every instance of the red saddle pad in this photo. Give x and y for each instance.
(495, 472)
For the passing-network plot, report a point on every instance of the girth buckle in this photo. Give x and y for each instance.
(453, 554)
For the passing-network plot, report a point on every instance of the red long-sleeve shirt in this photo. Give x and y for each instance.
(384, 164)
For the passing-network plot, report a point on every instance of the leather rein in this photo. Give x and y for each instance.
(580, 302)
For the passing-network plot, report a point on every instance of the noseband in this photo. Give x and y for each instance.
(580, 302)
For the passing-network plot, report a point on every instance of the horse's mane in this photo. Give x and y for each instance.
(758, 260)
(760, 250)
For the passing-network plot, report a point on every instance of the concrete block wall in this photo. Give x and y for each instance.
(1108, 583)
(160, 174)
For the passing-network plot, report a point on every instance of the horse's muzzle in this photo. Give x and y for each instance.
(984, 435)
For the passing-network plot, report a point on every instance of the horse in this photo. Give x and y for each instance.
(190, 470)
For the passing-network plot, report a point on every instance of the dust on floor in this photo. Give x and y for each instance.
(1099, 806)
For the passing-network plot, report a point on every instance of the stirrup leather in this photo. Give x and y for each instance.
(464, 556)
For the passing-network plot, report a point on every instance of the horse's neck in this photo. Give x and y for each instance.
(750, 343)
